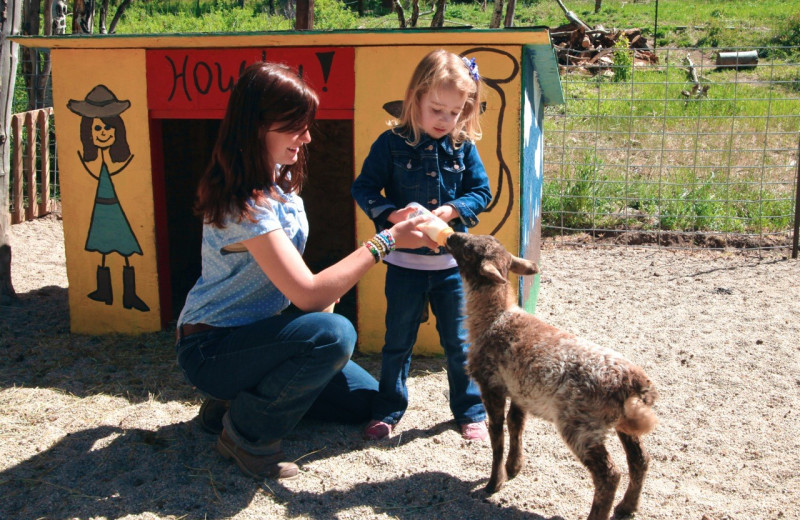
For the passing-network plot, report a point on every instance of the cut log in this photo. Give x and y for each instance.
(737, 60)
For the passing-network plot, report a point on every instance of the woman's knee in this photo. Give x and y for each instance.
(334, 333)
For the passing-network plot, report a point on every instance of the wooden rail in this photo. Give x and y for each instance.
(23, 164)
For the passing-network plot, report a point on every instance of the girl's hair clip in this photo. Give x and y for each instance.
(473, 68)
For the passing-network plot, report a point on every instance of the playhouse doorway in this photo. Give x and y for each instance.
(186, 146)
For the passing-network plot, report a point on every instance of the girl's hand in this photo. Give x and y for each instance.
(400, 215)
(407, 236)
(446, 212)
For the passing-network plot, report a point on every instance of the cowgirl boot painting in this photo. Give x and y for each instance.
(105, 154)
(103, 292)
(129, 298)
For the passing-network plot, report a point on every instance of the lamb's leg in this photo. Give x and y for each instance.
(605, 474)
(495, 404)
(638, 461)
(516, 425)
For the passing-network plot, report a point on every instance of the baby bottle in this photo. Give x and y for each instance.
(436, 228)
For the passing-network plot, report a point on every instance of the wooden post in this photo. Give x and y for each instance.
(10, 22)
(16, 170)
(795, 240)
(304, 18)
(43, 128)
(29, 167)
(510, 9)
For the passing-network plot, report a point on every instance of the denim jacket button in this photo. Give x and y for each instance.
(433, 201)
(432, 174)
(408, 166)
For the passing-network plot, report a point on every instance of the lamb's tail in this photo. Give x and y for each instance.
(637, 415)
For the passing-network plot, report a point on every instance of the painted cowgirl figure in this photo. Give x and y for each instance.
(265, 368)
(429, 158)
(105, 154)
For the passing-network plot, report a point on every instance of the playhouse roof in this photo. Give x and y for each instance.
(536, 39)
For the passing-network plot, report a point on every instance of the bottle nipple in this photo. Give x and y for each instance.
(441, 238)
(436, 228)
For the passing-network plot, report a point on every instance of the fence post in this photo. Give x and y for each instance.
(23, 164)
(796, 204)
(29, 165)
(16, 169)
(43, 127)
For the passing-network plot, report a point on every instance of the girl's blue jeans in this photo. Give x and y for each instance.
(278, 370)
(407, 293)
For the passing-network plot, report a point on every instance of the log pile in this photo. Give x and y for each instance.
(592, 49)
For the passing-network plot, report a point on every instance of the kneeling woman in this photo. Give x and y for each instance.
(266, 369)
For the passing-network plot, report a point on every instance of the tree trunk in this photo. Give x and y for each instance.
(10, 23)
(120, 11)
(401, 14)
(58, 17)
(103, 15)
(83, 17)
(30, 57)
(304, 18)
(510, 8)
(597, 5)
(497, 14)
(438, 15)
(414, 13)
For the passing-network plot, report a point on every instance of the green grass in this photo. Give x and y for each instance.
(686, 202)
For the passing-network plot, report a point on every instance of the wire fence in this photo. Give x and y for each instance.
(683, 153)
(694, 150)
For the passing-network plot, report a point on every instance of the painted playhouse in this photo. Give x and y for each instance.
(153, 104)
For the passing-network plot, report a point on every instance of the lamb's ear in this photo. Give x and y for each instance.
(490, 271)
(523, 267)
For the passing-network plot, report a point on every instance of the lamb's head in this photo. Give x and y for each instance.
(482, 260)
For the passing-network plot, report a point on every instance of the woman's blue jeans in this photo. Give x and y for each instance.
(278, 370)
(408, 291)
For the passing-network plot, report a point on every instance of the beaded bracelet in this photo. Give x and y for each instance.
(372, 249)
(380, 245)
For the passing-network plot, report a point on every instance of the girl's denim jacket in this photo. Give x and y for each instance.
(431, 173)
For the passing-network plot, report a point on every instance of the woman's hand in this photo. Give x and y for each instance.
(407, 236)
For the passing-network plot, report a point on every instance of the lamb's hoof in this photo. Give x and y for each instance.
(621, 512)
(493, 487)
(512, 470)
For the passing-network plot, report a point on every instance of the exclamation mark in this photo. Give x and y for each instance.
(325, 61)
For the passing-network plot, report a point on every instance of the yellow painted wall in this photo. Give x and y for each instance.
(382, 75)
(75, 74)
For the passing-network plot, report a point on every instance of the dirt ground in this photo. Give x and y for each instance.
(103, 427)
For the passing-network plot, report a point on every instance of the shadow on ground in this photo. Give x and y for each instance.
(112, 472)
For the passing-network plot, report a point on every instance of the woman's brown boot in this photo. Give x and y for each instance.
(271, 465)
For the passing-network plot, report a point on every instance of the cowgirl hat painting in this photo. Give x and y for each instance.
(105, 154)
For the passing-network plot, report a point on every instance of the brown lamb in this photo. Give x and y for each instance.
(582, 388)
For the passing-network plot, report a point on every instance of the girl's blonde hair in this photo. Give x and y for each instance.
(441, 69)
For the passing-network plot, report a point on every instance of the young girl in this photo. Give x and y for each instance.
(266, 368)
(429, 158)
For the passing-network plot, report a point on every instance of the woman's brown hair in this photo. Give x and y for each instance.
(265, 94)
